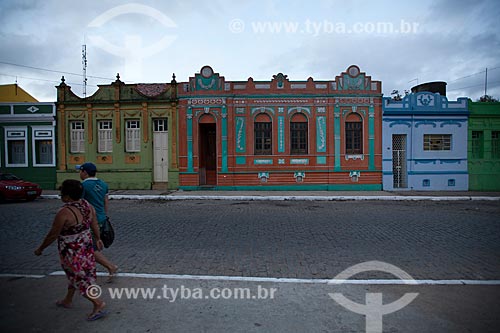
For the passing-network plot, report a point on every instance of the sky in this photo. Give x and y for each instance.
(401, 43)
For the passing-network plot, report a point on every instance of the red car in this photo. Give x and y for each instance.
(14, 188)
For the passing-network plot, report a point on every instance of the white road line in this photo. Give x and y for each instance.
(22, 276)
(298, 281)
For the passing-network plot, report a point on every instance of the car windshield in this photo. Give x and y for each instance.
(8, 176)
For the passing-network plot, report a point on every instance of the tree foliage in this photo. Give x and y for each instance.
(487, 98)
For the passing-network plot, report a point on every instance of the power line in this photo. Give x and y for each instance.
(53, 71)
(38, 79)
(476, 85)
(464, 77)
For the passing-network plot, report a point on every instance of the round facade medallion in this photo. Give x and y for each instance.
(207, 72)
(353, 71)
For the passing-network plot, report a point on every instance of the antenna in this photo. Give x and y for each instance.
(486, 83)
(84, 63)
(415, 79)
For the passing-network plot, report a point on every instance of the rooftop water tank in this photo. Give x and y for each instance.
(434, 87)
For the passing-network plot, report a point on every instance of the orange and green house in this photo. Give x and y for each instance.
(127, 130)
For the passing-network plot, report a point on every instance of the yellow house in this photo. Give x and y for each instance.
(14, 93)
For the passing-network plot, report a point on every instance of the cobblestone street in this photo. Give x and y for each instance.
(429, 240)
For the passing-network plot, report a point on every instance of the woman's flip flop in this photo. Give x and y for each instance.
(97, 315)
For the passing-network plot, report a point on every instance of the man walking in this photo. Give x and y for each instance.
(95, 191)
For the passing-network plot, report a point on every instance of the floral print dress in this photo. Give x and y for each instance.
(75, 249)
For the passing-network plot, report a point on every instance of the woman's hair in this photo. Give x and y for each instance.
(72, 188)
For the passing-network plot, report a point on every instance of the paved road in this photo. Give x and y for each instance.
(429, 240)
(308, 240)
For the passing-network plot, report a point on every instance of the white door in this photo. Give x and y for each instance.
(160, 150)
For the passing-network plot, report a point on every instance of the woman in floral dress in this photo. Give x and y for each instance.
(71, 227)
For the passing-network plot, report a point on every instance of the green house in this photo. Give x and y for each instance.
(484, 146)
(127, 130)
(27, 136)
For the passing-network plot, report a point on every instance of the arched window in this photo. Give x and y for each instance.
(354, 134)
(298, 134)
(263, 129)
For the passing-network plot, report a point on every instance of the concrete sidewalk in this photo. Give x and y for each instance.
(293, 195)
(28, 304)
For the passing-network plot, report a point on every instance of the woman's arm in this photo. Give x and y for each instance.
(57, 225)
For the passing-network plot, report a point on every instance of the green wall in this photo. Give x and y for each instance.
(484, 167)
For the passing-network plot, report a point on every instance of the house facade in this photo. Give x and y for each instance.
(425, 143)
(128, 130)
(280, 134)
(10, 93)
(484, 146)
(28, 136)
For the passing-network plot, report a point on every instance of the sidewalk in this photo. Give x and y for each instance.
(293, 195)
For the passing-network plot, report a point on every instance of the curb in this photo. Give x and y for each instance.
(289, 198)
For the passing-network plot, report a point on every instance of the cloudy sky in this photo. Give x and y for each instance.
(400, 43)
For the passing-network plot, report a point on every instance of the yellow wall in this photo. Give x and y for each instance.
(14, 93)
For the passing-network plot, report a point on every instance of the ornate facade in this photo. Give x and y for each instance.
(280, 134)
(128, 130)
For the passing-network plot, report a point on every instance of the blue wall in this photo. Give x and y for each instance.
(423, 113)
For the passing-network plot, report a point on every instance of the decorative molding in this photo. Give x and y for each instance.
(101, 114)
(281, 134)
(299, 109)
(262, 109)
(303, 161)
(399, 122)
(425, 100)
(75, 115)
(321, 134)
(151, 89)
(263, 161)
(425, 122)
(159, 113)
(240, 135)
(452, 122)
(299, 176)
(354, 157)
(281, 101)
(132, 159)
(207, 86)
(76, 159)
(261, 175)
(132, 114)
(207, 101)
(32, 109)
(353, 100)
(104, 159)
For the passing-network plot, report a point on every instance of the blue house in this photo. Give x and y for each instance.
(424, 144)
